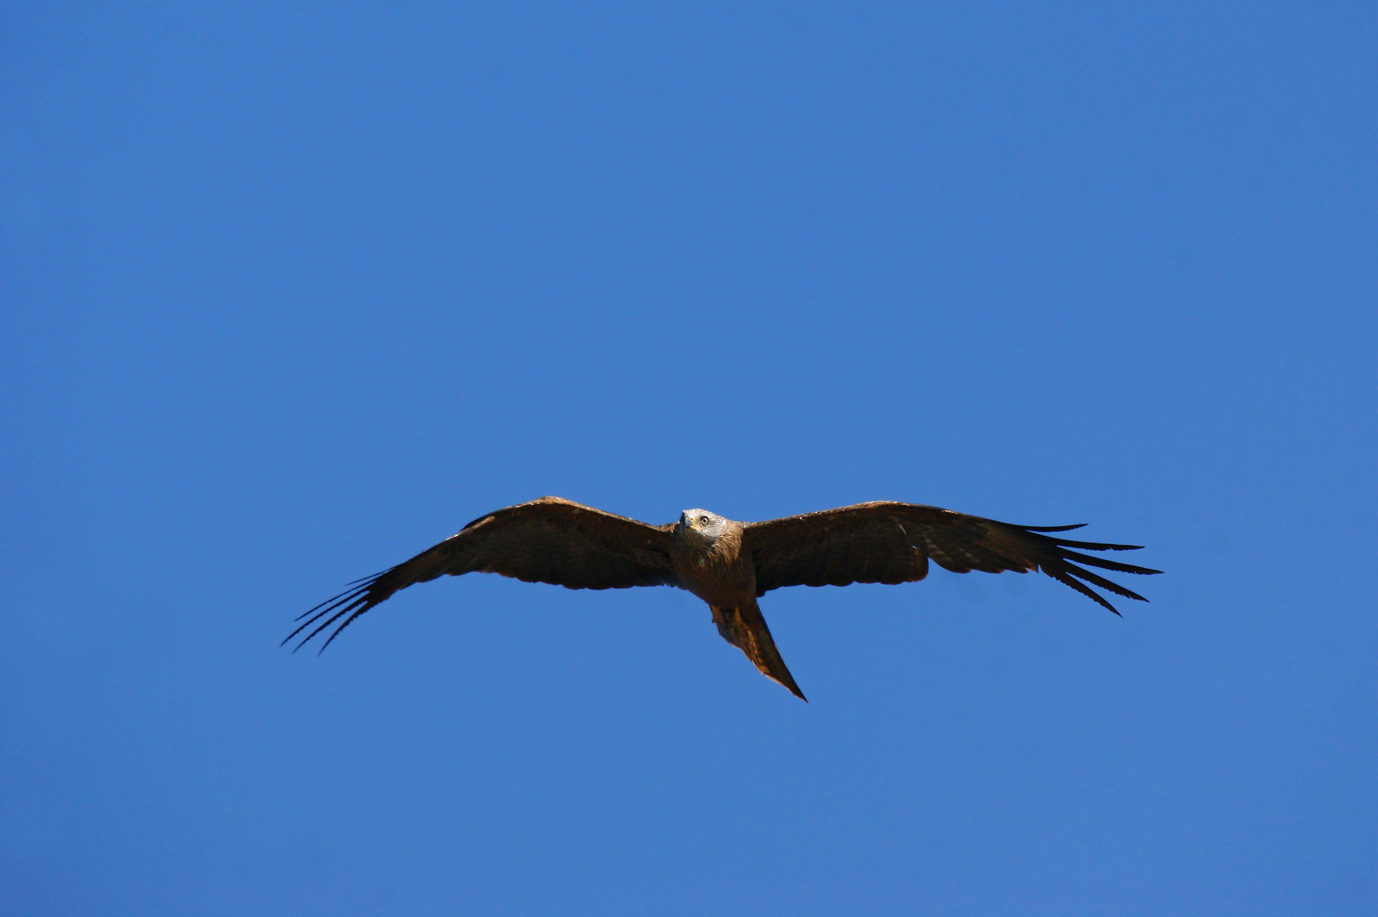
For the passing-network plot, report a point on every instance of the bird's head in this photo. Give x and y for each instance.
(699, 525)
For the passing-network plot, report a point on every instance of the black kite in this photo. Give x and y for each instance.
(730, 564)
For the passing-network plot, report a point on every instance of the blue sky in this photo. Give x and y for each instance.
(289, 295)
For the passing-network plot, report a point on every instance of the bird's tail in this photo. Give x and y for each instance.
(745, 628)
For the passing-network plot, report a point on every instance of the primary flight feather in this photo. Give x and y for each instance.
(731, 564)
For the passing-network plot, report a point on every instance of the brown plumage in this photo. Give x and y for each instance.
(730, 564)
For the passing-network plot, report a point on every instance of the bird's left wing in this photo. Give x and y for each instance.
(891, 543)
(549, 540)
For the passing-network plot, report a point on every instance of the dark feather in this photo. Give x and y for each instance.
(892, 542)
(549, 540)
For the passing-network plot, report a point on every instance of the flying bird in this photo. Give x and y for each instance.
(730, 564)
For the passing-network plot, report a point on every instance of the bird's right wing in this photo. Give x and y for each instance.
(892, 542)
(549, 540)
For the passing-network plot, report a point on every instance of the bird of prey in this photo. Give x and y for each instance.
(730, 564)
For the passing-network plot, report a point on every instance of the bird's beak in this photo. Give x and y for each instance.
(685, 522)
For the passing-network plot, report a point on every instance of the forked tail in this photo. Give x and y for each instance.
(745, 628)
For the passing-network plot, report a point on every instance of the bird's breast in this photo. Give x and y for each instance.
(717, 577)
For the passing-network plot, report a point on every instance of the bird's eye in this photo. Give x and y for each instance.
(703, 520)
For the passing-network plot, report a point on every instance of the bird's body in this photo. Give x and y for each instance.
(708, 558)
(706, 551)
(730, 564)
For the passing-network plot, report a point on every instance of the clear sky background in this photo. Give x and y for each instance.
(289, 295)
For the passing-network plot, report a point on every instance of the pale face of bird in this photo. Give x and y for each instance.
(700, 525)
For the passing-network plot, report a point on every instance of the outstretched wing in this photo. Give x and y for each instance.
(892, 543)
(549, 540)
